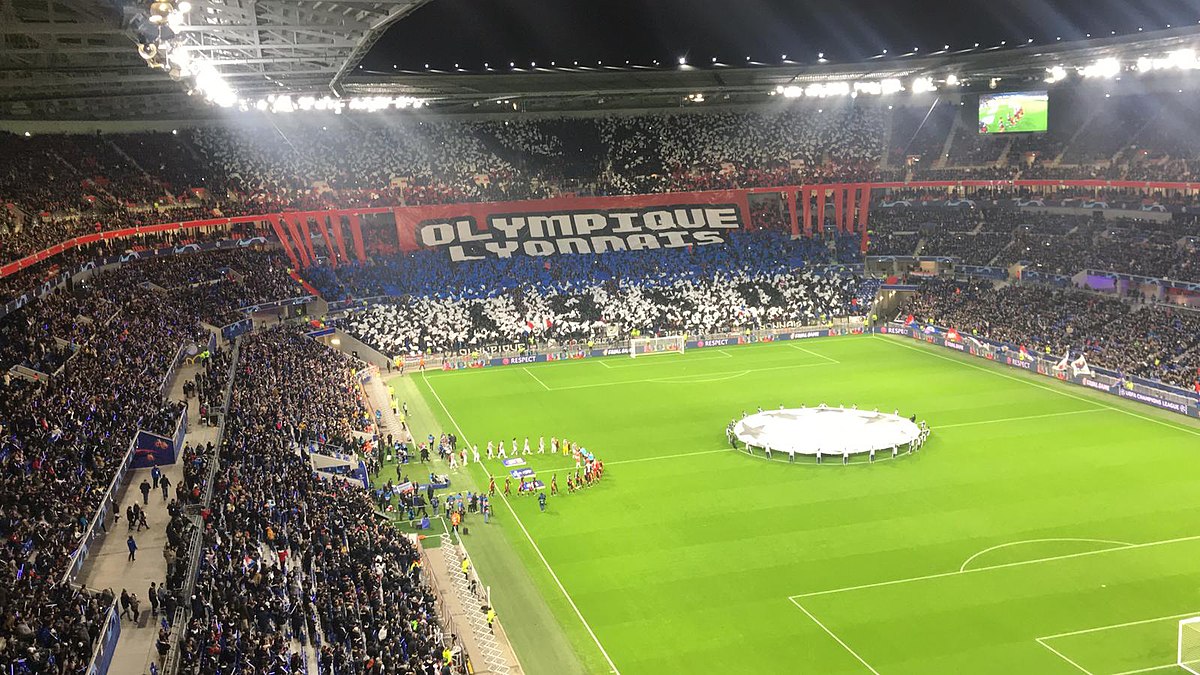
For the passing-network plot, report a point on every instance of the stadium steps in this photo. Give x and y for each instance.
(992, 262)
(1002, 160)
(468, 594)
(1071, 141)
(944, 157)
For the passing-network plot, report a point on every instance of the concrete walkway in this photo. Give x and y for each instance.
(109, 566)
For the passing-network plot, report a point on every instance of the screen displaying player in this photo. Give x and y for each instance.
(1014, 112)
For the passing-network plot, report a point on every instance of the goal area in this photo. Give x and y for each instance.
(1189, 645)
(649, 346)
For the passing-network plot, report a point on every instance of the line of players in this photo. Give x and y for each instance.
(587, 474)
(500, 450)
(913, 446)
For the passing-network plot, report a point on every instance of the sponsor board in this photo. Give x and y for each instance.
(1089, 382)
(522, 473)
(513, 461)
(517, 360)
(1155, 401)
(716, 342)
(809, 334)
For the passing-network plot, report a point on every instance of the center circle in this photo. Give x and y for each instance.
(831, 431)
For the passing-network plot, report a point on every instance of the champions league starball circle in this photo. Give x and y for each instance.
(832, 431)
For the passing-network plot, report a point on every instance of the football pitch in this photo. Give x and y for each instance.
(1043, 528)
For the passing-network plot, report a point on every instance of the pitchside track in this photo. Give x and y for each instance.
(1043, 528)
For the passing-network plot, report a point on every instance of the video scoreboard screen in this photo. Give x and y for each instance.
(1014, 112)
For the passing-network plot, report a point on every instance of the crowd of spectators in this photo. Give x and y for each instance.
(290, 558)
(756, 279)
(96, 354)
(1148, 341)
(54, 187)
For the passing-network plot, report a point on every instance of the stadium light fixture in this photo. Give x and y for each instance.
(922, 85)
(1055, 74)
(1103, 68)
(683, 60)
(952, 80)
(1180, 59)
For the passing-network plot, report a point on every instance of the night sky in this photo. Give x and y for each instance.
(471, 32)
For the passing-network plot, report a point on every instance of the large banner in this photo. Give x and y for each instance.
(573, 225)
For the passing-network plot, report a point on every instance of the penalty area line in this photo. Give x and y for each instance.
(988, 568)
(833, 635)
(536, 549)
(536, 379)
(1115, 626)
(1064, 657)
(812, 353)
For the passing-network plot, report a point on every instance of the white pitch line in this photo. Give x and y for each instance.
(1114, 626)
(1018, 419)
(1019, 563)
(658, 380)
(1151, 669)
(1119, 544)
(1056, 390)
(656, 458)
(722, 351)
(1064, 657)
(529, 537)
(698, 379)
(811, 352)
(537, 379)
(835, 637)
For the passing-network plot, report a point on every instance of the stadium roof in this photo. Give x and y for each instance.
(78, 59)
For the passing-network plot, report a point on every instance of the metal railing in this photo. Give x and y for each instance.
(183, 612)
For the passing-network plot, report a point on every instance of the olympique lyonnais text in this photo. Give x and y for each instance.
(584, 232)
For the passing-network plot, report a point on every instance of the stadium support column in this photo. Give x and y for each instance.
(806, 207)
(851, 202)
(294, 229)
(273, 218)
(308, 240)
(356, 234)
(336, 224)
(839, 194)
(327, 235)
(821, 209)
(864, 209)
(789, 200)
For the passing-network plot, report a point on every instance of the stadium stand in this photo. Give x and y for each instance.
(294, 565)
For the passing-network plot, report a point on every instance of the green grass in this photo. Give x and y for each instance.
(1034, 119)
(1067, 510)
